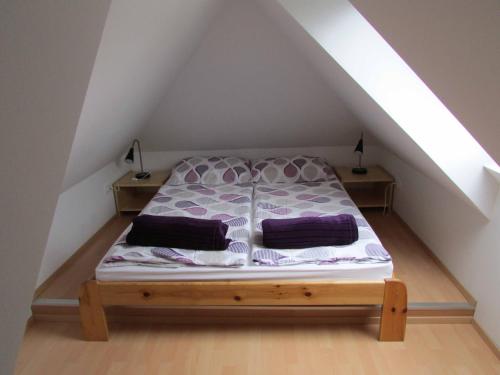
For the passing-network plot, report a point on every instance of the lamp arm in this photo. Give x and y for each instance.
(136, 141)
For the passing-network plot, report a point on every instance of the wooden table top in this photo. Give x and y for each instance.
(157, 179)
(375, 174)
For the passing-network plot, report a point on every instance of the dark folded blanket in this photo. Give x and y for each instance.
(299, 233)
(179, 232)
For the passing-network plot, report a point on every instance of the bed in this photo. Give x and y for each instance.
(248, 274)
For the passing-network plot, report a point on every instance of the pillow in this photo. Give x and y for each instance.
(304, 232)
(292, 169)
(178, 232)
(215, 170)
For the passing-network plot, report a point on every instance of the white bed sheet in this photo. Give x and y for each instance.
(350, 271)
(311, 199)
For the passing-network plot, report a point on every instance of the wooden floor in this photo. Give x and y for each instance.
(425, 281)
(56, 348)
(67, 284)
(235, 342)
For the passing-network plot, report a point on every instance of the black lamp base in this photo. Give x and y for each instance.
(143, 175)
(359, 171)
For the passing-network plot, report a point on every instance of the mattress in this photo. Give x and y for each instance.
(232, 204)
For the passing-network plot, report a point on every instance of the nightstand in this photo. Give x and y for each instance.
(132, 195)
(373, 189)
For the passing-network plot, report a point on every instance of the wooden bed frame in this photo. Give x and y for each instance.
(390, 293)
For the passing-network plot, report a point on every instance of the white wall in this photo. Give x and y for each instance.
(467, 243)
(453, 46)
(248, 86)
(47, 52)
(144, 45)
(81, 211)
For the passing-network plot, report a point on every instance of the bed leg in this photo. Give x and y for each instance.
(394, 311)
(92, 316)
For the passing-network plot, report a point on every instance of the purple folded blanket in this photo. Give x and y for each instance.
(179, 232)
(303, 232)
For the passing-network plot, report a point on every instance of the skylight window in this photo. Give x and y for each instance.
(358, 48)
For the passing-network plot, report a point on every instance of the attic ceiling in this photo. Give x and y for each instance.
(453, 47)
(143, 47)
(219, 74)
(406, 114)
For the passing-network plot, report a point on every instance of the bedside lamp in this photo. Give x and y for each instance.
(359, 149)
(129, 159)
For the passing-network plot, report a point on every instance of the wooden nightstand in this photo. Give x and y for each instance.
(374, 189)
(132, 195)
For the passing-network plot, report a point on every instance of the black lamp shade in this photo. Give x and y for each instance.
(359, 146)
(129, 159)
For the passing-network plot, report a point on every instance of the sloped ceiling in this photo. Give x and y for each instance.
(453, 46)
(256, 79)
(384, 129)
(328, 23)
(248, 86)
(144, 44)
(47, 50)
